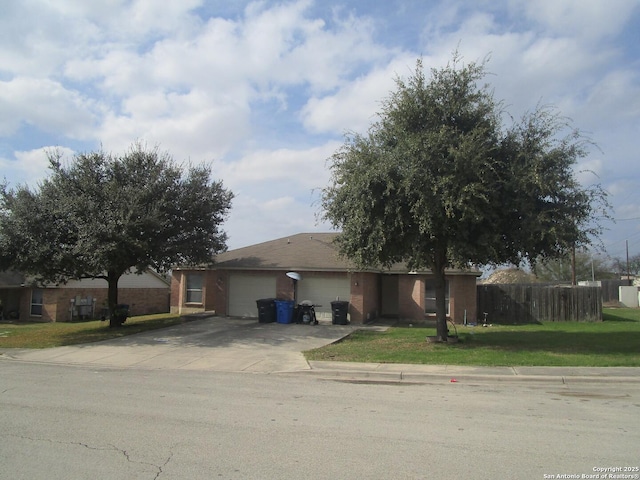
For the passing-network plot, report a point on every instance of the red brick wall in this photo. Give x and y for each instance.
(365, 294)
(216, 285)
(177, 289)
(463, 296)
(284, 287)
(57, 302)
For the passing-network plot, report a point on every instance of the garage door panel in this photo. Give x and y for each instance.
(245, 289)
(324, 290)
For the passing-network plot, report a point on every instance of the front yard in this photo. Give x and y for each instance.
(613, 342)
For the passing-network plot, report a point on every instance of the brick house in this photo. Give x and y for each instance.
(145, 294)
(239, 277)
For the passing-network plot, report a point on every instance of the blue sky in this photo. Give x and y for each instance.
(266, 90)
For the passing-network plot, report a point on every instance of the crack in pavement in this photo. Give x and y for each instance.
(109, 448)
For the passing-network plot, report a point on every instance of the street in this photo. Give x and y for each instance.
(81, 422)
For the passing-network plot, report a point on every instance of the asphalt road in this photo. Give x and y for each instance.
(92, 422)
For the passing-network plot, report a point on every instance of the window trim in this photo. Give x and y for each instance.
(38, 306)
(190, 291)
(432, 298)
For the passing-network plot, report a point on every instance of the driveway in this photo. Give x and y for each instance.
(210, 343)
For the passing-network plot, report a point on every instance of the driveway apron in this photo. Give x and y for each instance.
(211, 343)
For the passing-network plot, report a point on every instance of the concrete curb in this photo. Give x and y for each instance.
(389, 373)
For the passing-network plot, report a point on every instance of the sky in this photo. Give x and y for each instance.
(265, 91)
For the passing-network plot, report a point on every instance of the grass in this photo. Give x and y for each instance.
(45, 335)
(613, 342)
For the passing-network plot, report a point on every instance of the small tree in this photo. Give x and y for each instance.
(103, 215)
(438, 182)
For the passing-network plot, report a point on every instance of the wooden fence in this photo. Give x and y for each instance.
(531, 303)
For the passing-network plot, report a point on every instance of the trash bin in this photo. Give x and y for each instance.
(284, 311)
(266, 310)
(121, 313)
(339, 310)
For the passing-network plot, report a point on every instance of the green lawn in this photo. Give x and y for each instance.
(44, 335)
(613, 342)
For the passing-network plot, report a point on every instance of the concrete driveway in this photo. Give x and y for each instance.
(209, 343)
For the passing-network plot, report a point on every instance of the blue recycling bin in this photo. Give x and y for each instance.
(284, 311)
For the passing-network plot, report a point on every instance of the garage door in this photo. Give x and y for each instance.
(323, 291)
(245, 289)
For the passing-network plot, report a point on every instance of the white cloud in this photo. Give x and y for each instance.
(46, 104)
(355, 106)
(32, 166)
(302, 170)
(584, 18)
(266, 89)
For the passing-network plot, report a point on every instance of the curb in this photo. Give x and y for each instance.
(371, 373)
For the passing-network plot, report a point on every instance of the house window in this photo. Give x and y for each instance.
(36, 302)
(194, 288)
(430, 296)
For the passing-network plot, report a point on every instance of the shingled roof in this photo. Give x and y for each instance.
(303, 251)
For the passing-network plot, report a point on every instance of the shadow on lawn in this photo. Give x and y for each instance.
(597, 343)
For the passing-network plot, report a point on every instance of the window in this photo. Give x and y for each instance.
(194, 288)
(36, 302)
(430, 296)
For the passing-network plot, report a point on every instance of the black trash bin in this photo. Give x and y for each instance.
(121, 313)
(266, 310)
(339, 310)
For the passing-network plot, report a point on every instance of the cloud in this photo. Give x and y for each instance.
(591, 19)
(46, 104)
(355, 106)
(299, 171)
(266, 89)
(32, 166)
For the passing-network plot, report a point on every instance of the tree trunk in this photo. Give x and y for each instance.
(115, 320)
(441, 304)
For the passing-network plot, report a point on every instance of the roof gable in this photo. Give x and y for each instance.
(303, 251)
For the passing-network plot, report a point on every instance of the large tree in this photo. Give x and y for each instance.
(100, 216)
(439, 182)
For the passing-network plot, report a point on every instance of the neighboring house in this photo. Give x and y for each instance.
(77, 299)
(240, 277)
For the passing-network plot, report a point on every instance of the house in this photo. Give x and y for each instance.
(240, 277)
(21, 300)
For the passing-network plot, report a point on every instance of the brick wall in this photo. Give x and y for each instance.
(56, 302)
(463, 297)
(177, 278)
(365, 294)
(216, 284)
(284, 287)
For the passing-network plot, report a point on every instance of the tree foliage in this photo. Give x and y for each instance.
(438, 181)
(103, 215)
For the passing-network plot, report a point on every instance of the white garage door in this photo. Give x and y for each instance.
(245, 289)
(323, 291)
